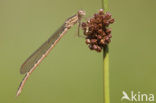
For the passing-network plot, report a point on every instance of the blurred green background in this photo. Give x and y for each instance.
(72, 73)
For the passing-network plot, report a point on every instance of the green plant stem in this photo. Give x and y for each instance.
(106, 74)
(105, 5)
(106, 63)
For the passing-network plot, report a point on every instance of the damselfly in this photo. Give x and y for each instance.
(35, 59)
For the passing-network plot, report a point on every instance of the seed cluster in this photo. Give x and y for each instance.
(96, 30)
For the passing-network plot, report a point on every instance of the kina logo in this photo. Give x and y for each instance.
(137, 96)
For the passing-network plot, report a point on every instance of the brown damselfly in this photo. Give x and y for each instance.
(35, 59)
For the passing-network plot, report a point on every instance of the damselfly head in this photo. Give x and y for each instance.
(81, 13)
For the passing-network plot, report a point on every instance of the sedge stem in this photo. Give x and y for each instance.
(106, 74)
(106, 63)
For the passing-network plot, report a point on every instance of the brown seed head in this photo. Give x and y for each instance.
(96, 30)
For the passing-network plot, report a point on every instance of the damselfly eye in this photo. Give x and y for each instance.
(81, 13)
